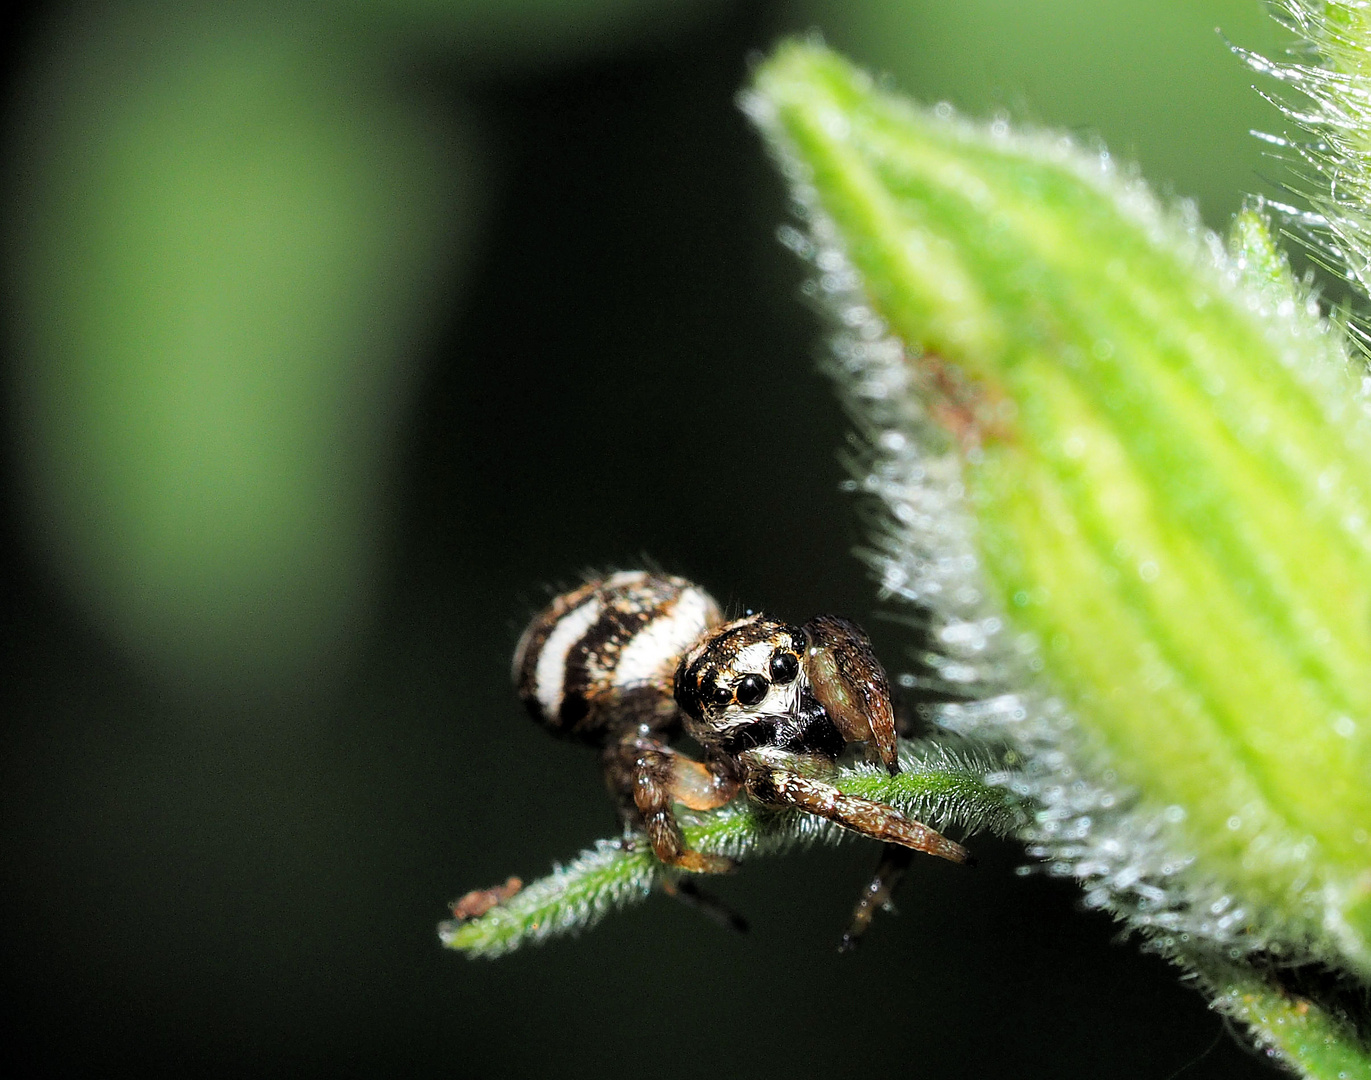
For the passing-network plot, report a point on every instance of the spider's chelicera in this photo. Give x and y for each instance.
(629, 661)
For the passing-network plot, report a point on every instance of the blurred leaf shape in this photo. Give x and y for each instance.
(231, 241)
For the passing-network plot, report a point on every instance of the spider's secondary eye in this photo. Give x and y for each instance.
(720, 695)
(751, 689)
(784, 667)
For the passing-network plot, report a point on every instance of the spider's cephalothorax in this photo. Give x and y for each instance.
(807, 691)
(627, 661)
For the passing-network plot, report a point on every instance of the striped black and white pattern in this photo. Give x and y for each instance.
(602, 657)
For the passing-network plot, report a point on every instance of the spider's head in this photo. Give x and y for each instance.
(745, 670)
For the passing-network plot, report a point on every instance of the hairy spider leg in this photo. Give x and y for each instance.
(851, 685)
(688, 891)
(649, 777)
(878, 894)
(776, 787)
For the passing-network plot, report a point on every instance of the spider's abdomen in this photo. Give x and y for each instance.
(601, 659)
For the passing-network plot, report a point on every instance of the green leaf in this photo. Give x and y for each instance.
(1125, 468)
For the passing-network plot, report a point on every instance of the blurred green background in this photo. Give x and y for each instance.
(335, 335)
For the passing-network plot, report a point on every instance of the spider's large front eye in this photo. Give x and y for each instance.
(784, 668)
(751, 689)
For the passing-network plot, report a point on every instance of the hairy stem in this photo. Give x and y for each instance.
(945, 786)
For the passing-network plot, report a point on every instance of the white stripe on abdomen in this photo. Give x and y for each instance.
(550, 674)
(655, 650)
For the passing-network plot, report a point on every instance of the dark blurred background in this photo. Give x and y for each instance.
(335, 337)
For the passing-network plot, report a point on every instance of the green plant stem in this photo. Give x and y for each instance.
(1306, 1037)
(941, 785)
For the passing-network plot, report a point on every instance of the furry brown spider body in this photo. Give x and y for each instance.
(629, 661)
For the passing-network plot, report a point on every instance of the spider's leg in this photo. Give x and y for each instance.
(851, 685)
(877, 893)
(648, 777)
(686, 890)
(777, 787)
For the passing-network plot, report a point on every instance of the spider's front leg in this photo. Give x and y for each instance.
(854, 690)
(851, 685)
(775, 786)
(648, 777)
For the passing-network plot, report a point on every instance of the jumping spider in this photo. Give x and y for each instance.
(627, 662)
